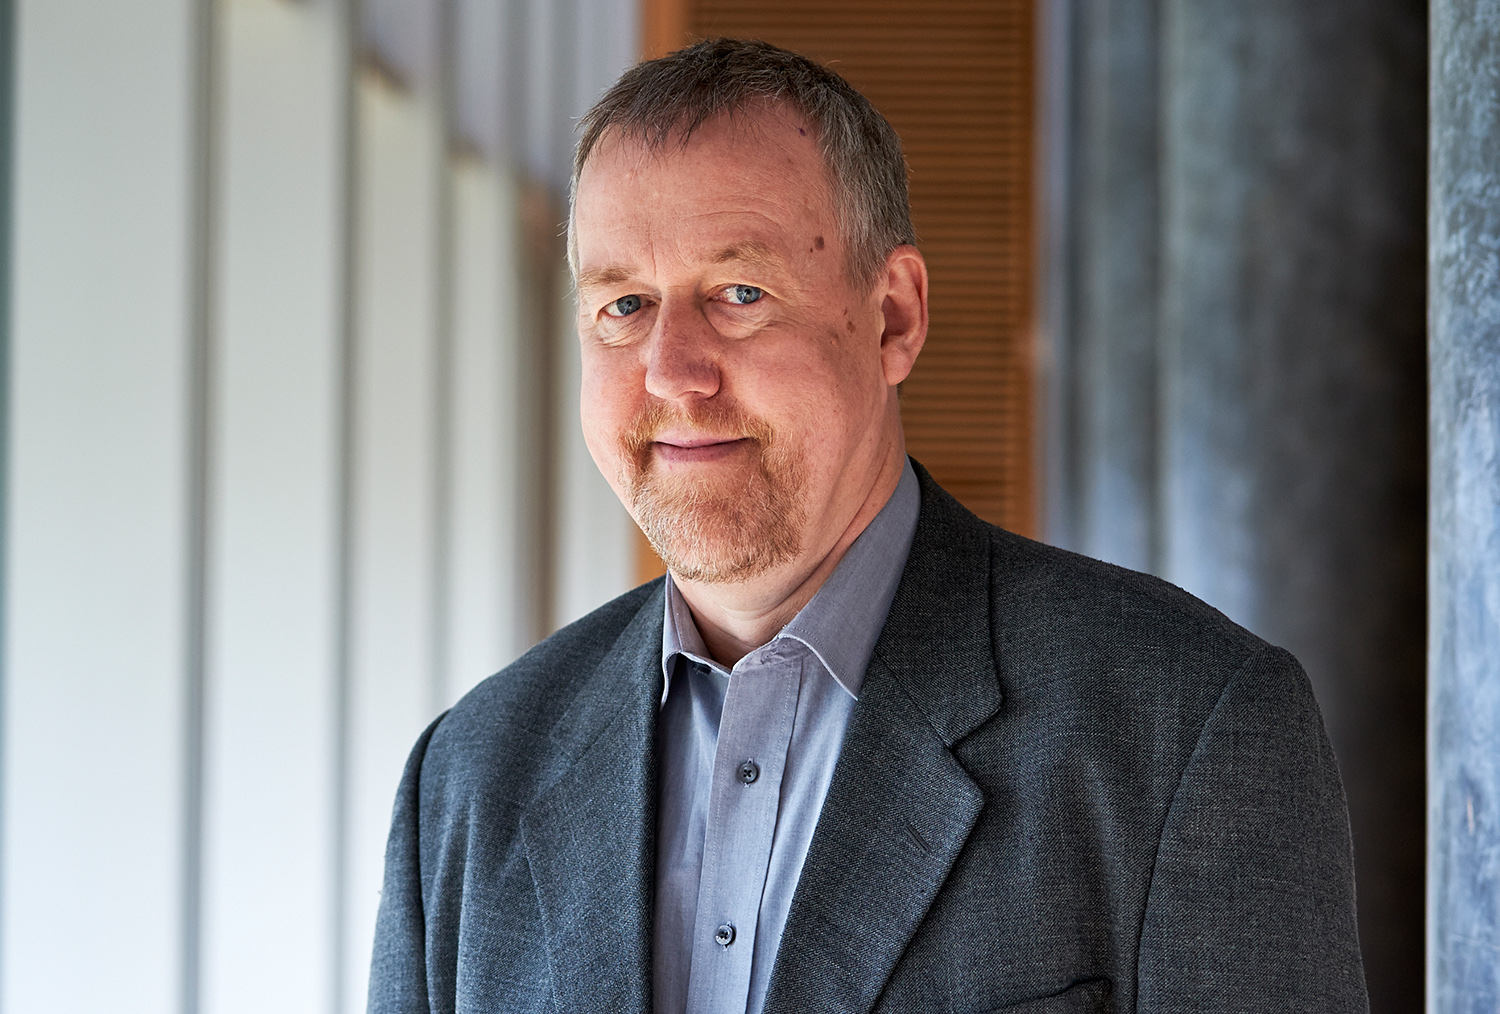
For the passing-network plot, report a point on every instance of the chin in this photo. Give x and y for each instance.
(722, 521)
(721, 532)
(726, 561)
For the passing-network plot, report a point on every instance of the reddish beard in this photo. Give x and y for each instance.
(715, 528)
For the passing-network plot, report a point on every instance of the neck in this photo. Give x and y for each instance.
(735, 618)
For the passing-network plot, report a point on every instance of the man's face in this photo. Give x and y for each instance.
(734, 393)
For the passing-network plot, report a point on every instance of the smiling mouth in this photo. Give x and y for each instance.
(697, 451)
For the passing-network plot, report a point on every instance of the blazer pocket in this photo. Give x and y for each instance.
(1089, 997)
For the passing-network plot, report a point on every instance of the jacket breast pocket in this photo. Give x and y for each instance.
(1089, 997)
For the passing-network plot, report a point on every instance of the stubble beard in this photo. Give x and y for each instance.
(721, 529)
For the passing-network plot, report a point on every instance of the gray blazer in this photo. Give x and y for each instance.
(1065, 787)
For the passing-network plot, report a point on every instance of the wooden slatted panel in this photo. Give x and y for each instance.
(955, 78)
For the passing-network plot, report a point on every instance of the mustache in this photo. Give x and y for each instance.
(724, 419)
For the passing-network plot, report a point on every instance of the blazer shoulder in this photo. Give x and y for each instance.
(1056, 614)
(537, 688)
(523, 703)
(1037, 569)
(1099, 618)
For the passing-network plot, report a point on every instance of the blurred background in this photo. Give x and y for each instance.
(291, 456)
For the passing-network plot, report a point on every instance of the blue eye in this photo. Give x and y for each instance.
(742, 294)
(624, 306)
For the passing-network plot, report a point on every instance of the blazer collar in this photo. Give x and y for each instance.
(901, 806)
(938, 639)
(590, 836)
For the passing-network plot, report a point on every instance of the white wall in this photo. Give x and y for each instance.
(272, 694)
(268, 510)
(99, 485)
(488, 617)
(393, 688)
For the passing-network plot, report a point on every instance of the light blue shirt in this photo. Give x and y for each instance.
(745, 759)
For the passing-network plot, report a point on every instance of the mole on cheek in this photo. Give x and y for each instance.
(818, 242)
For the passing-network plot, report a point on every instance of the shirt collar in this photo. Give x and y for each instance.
(842, 622)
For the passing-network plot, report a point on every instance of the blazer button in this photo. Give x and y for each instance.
(749, 771)
(724, 935)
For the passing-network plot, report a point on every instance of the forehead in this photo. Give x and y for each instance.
(757, 175)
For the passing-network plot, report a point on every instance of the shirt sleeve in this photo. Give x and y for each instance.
(1251, 905)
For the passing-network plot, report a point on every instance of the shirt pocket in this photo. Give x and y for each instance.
(1091, 996)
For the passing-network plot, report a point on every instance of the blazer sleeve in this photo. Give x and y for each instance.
(1251, 904)
(398, 969)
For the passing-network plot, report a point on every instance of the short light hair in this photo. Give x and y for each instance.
(669, 98)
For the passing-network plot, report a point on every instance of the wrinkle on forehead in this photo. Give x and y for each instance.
(662, 201)
(761, 122)
(755, 125)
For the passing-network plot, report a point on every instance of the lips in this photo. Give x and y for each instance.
(697, 450)
(668, 435)
(690, 440)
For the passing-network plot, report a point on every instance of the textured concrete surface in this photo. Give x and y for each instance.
(1292, 386)
(1463, 817)
(1116, 301)
(1239, 402)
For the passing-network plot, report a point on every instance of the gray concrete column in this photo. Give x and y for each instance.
(1235, 306)
(1292, 398)
(1101, 245)
(1463, 814)
(1116, 310)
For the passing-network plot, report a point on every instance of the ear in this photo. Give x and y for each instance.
(903, 309)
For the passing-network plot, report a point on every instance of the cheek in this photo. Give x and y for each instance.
(608, 400)
(861, 373)
(854, 374)
(810, 395)
(850, 395)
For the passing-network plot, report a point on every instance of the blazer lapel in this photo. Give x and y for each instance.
(900, 807)
(590, 837)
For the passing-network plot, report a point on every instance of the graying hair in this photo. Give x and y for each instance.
(671, 97)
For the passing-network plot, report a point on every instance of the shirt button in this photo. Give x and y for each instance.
(749, 771)
(724, 935)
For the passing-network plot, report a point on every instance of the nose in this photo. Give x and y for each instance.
(682, 361)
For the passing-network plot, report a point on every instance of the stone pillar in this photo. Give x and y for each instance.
(1116, 309)
(1292, 385)
(1237, 303)
(1463, 814)
(1101, 192)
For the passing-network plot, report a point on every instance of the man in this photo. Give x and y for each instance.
(859, 750)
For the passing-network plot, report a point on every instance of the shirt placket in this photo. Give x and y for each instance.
(755, 731)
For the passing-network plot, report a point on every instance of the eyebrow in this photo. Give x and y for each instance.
(749, 252)
(598, 277)
(746, 252)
